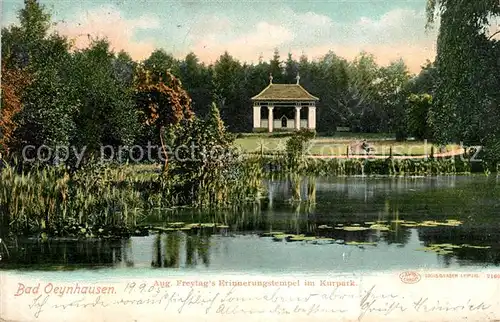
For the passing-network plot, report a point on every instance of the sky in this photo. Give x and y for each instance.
(389, 29)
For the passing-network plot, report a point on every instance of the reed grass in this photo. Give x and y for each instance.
(99, 199)
(277, 166)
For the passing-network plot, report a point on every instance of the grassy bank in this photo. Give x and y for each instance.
(345, 167)
(341, 145)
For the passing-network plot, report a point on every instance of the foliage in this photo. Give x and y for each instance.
(391, 95)
(206, 167)
(162, 103)
(466, 99)
(418, 114)
(14, 81)
(297, 146)
(354, 166)
(101, 81)
(197, 80)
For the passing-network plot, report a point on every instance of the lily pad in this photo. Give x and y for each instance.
(479, 247)
(445, 246)
(428, 224)
(271, 234)
(409, 225)
(162, 229)
(451, 223)
(352, 228)
(301, 238)
(176, 224)
(379, 227)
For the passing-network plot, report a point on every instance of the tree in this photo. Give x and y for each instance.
(357, 101)
(425, 81)
(276, 68)
(417, 117)
(124, 68)
(163, 103)
(14, 82)
(230, 93)
(291, 70)
(197, 80)
(159, 62)
(45, 118)
(465, 105)
(102, 83)
(204, 172)
(392, 91)
(23, 45)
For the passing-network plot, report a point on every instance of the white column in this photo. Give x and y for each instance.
(270, 122)
(256, 116)
(311, 117)
(297, 117)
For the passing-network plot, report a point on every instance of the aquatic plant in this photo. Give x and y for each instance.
(277, 166)
(55, 201)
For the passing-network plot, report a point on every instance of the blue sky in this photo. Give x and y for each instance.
(388, 29)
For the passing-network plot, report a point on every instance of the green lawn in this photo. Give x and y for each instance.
(338, 145)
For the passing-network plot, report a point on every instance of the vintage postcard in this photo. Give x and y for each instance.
(199, 160)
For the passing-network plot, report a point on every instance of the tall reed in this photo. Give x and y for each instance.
(50, 199)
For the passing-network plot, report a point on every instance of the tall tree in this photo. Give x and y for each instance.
(23, 44)
(14, 82)
(47, 102)
(107, 115)
(466, 104)
(392, 91)
(159, 62)
(276, 68)
(291, 70)
(163, 104)
(229, 93)
(124, 68)
(425, 81)
(197, 80)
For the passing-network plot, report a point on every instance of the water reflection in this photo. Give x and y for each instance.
(313, 207)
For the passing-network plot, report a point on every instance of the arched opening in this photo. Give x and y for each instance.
(284, 121)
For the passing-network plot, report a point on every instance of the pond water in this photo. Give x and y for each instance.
(340, 225)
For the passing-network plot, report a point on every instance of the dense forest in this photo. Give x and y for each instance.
(53, 94)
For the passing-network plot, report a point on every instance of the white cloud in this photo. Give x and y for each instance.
(246, 46)
(246, 35)
(108, 22)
